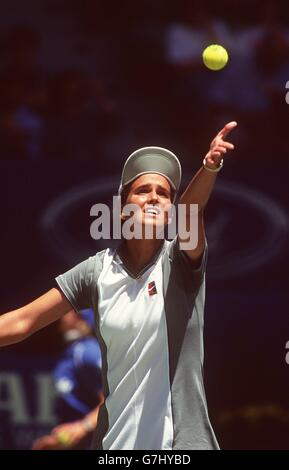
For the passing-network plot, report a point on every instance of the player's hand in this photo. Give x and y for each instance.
(219, 146)
(70, 434)
(48, 442)
(64, 436)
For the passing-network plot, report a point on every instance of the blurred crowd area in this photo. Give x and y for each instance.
(93, 80)
(90, 81)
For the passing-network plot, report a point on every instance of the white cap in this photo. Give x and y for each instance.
(152, 160)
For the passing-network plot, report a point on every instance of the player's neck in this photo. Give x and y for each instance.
(137, 254)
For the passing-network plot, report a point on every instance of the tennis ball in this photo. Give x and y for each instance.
(215, 57)
(63, 438)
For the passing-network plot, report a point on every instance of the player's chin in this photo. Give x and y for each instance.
(153, 229)
(154, 221)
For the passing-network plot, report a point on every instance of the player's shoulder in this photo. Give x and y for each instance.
(95, 262)
(98, 256)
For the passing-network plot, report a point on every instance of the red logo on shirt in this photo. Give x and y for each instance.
(152, 288)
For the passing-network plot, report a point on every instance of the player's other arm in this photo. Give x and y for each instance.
(23, 322)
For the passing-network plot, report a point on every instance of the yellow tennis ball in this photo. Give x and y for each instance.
(215, 57)
(63, 438)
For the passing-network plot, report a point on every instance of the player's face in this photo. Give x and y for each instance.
(152, 193)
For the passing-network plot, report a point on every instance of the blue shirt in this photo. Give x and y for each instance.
(77, 377)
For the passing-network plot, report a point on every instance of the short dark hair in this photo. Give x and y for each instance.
(124, 194)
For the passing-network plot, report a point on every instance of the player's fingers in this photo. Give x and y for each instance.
(220, 142)
(227, 128)
(227, 145)
(44, 442)
(215, 160)
(219, 149)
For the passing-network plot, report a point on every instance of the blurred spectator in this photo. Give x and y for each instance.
(22, 95)
(80, 117)
(272, 60)
(77, 378)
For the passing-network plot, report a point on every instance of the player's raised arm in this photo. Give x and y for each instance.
(199, 189)
(23, 322)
